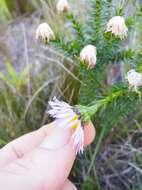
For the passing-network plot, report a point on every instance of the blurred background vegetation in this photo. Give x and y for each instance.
(30, 75)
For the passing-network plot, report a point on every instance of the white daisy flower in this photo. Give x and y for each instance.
(88, 55)
(134, 79)
(66, 117)
(116, 26)
(62, 6)
(44, 33)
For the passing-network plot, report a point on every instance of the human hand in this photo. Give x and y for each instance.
(40, 160)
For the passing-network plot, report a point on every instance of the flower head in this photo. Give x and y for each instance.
(116, 26)
(66, 117)
(134, 79)
(63, 6)
(44, 33)
(88, 55)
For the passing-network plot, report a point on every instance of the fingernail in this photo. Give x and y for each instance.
(58, 138)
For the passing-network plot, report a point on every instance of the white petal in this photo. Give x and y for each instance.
(66, 123)
(78, 137)
(67, 118)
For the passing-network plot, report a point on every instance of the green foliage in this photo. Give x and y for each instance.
(23, 98)
(18, 7)
(71, 47)
(77, 28)
(4, 12)
(12, 78)
(106, 105)
(10, 9)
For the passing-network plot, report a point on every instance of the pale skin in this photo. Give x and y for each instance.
(41, 160)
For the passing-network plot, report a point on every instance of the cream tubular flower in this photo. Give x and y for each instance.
(134, 79)
(116, 26)
(62, 6)
(44, 33)
(66, 117)
(88, 55)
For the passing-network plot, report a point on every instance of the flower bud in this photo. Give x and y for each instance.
(44, 33)
(134, 79)
(88, 55)
(63, 6)
(116, 26)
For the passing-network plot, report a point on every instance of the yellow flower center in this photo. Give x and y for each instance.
(75, 125)
(75, 117)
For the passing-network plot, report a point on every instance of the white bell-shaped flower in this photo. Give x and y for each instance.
(88, 55)
(62, 6)
(117, 27)
(134, 79)
(44, 33)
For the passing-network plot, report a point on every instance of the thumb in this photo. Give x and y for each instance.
(46, 167)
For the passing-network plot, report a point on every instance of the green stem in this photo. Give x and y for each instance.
(88, 111)
(103, 102)
(96, 150)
